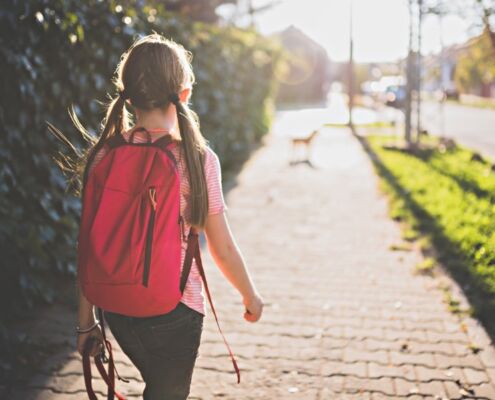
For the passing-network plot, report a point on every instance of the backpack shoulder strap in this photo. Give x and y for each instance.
(164, 143)
(115, 141)
(193, 251)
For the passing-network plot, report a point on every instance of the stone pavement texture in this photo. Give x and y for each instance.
(346, 317)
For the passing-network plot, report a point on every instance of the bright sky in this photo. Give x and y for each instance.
(380, 27)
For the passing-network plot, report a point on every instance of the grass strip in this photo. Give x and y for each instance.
(446, 197)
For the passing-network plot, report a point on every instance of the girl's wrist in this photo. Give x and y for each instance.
(86, 314)
(252, 294)
(87, 328)
(86, 320)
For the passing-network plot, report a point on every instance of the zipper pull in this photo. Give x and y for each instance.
(152, 196)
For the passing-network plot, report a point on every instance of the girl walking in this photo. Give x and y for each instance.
(154, 80)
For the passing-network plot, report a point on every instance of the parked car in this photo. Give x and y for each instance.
(452, 93)
(395, 96)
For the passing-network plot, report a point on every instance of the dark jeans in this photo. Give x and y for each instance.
(163, 348)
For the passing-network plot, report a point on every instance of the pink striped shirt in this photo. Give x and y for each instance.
(193, 293)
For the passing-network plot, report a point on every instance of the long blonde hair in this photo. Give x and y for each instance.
(151, 73)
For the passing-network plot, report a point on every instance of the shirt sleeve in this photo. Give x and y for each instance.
(213, 174)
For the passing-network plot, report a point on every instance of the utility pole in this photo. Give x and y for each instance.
(409, 75)
(442, 73)
(251, 12)
(419, 69)
(351, 64)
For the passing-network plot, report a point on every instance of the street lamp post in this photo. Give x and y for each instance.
(409, 75)
(442, 73)
(351, 64)
(419, 70)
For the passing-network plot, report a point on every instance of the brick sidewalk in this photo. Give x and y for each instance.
(345, 316)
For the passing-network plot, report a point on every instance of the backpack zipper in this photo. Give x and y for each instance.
(149, 235)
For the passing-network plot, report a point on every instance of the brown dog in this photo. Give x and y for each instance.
(303, 142)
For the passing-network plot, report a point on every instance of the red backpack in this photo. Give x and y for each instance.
(129, 243)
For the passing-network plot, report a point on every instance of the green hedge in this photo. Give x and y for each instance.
(448, 196)
(57, 53)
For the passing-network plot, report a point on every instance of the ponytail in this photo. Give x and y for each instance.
(76, 166)
(194, 151)
(116, 121)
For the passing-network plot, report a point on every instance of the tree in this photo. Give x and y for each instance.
(487, 11)
(481, 13)
(198, 10)
(476, 66)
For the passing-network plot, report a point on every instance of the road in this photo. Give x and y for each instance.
(470, 126)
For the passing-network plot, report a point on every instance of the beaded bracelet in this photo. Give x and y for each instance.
(79, 330)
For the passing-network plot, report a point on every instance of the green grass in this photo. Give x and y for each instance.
(425, 267)
(400, 247)
(449, 200)
(375, 124)
(454, 305)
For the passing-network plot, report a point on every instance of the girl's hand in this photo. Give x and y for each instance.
(97, 347)
(254, 308)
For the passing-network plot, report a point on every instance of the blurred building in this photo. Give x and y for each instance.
(439, 70)
(467, 68)
(307, 78)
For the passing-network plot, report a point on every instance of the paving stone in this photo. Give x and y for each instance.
(333, 383)
(491, 374)
(383, 385)
(353, 355)
(452, 390)
(390, 370)
(425, 373)
(405, 388)
(475, 377)
(487, 356)
(358, 369)
(399, 358)
(486, 390)
(433, 388)
(470, 360)
(38, 394)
